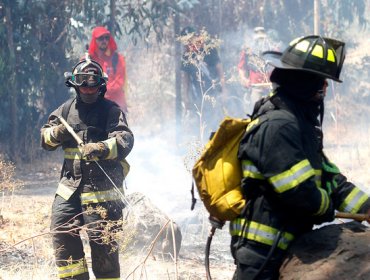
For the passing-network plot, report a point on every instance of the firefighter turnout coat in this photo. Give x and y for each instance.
(84, 185)
(289, 181)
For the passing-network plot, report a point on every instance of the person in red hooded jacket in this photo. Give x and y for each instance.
(103, 49)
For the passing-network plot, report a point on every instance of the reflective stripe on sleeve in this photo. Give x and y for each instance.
(101, 196)
(77, 268)
(112, 145)
(324, 205)
(318, 173)
(292, 177)
(250, 170)
(72, 153)
(49, 140)
(354, 200)
(260, 233)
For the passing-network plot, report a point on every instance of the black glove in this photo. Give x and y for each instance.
(216, 223)
(93, 151)
(61, 134)
(328, 216)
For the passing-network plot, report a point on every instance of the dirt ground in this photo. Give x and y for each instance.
(25, 246)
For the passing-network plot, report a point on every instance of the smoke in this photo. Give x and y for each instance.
(158, 171)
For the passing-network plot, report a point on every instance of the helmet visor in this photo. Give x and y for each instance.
(86, 80)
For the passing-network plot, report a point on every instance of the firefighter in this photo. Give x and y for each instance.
(252, 71)
(203, 79)
(91, 181)
(288, 180)
(103, 49)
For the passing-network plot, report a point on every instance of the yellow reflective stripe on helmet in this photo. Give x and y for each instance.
(302, 46)
(48, 139)
(260, 233)
(293, 42)
(73, 269)
(324, 205)
(101, 196)
(250, 170)
(292, 177)
(354, 200)
(331, 55)
(318, 51)
(112, 145)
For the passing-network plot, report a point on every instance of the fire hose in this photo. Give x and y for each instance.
(217, 224)
(80, 143)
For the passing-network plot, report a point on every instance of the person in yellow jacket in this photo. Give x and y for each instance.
(287, 178)
(91, 176)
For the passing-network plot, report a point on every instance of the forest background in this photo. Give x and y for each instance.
(42, 39)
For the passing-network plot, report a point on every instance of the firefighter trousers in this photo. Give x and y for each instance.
(66, 219)
(250, 258)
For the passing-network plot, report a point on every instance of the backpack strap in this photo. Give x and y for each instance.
(66, 107)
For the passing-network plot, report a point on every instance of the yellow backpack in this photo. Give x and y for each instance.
(217, 173)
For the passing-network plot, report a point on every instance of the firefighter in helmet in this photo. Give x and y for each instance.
(287, 178)
(90, 189)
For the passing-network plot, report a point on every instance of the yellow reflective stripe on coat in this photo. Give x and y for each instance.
(112, 145)
(252, 123)
(48, 139)
(318, 173)
(65, 191)
(72, 153)
(250, 170)
(75, 153)
(324, 205)
(73, 269)
(260, 233)
(292, 177)
(101, 196)
(354, 200)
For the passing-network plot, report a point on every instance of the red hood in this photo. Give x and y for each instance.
(97, 32)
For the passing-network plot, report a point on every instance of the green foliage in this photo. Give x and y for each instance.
(38, 43)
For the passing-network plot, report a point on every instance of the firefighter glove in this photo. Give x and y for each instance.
(93, 151)
(216, 223)
(61, 134)
(326, 217)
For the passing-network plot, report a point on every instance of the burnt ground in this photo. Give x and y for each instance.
(25, 217)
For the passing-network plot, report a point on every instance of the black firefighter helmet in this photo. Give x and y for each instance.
(87, 73)
(314, 54)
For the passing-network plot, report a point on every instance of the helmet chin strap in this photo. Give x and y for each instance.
(322, 107)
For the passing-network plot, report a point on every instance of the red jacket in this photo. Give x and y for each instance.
(255, 74)
(116, 86)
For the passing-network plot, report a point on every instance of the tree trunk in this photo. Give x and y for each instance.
(13, 93)
(177, 77)
(112, 19)
(316, 11)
